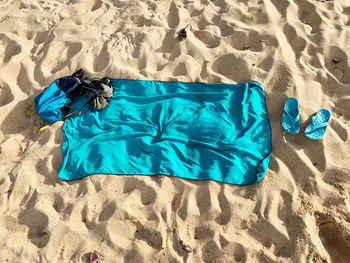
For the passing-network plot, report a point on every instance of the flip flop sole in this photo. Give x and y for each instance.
(318, 125)
(290, 117)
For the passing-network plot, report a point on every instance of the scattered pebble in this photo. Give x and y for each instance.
(336, 60)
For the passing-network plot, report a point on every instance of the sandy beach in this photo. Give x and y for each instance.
(299, 212)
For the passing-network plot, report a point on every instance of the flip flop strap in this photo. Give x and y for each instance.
(294, 120)
(318, 126)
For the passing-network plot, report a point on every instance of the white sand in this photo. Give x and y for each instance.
(300, 212)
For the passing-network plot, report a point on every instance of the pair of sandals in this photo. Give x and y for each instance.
(290, 121)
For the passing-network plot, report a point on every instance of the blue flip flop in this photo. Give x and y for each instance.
(290, 117)
(318, 125)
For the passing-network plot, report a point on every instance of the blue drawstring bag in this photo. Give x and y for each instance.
(54, 103)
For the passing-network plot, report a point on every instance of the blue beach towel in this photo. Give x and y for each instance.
(202, 131)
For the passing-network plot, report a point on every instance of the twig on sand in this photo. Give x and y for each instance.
(182, 34)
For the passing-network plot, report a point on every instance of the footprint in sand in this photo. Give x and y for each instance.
(96, 6)
(149, 235)
(134, 255)
(338, 178)
(61, 53)
(336, 62)
(173, 19)
(181, 70)
(232, 67)
(107, 211)
(346, 11)
(211, 252)
(36, 221)
(225, 28)
(148, 195)
(226, 213)
(179, 204)
(203, 233)
(58, 203)
(16, 121)
(281, 6)
(6, 95)
(246, 40)
(297, 43)
(102, 60)
(332, 238)
(203, 199)
(208, 38)
(24, 77)
(62, 208)
(340, 129)
(203, 23)
(308, 15)
(8, 49)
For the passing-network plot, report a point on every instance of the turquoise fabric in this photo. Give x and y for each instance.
(199, 131)
(48, 104)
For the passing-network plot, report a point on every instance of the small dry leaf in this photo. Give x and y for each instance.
(95, 257)
(186, 248)
(336, 60)
(182, 34)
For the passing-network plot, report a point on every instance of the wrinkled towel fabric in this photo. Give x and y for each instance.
(202, 131)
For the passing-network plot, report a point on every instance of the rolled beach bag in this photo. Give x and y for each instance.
(54, 103)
